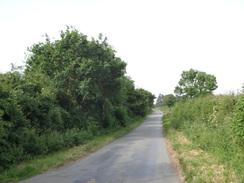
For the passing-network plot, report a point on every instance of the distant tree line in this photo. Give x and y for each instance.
(72, 90)
(166, 100)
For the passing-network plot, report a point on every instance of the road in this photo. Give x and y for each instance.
(139, 157)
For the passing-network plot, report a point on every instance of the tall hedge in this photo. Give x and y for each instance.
(72, 89)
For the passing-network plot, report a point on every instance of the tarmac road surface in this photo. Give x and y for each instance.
(139, 157)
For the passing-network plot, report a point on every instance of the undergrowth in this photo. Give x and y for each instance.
(214, 127)
(55, 160)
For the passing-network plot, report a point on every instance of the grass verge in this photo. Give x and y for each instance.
(53, 161)
(194, 163)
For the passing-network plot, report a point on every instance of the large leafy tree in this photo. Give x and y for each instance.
(72, 89)
(194, 83)
(86, 72)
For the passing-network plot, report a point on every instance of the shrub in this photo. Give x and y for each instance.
(121, 116)
(54, 141)
(32, 143)
(238, 120)
(208, 121)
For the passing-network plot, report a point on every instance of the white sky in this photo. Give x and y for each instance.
(158, 39)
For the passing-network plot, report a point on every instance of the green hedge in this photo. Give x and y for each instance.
(214, 124)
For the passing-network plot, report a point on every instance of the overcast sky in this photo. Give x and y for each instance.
(158, 39)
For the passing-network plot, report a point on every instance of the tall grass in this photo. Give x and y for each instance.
(215, 125)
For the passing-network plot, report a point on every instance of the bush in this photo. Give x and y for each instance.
(207, 122)
(32, 143)
(75, 137)
(12, 121)
(65, 97)
(121, 116)
(238, 120)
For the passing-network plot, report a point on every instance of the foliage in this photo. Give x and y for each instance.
(169, 100)
(159, 101)
(52, 161)
(28, 107)
(71, 91)
(121, 115)
(197, 165)
(207, 122)
(85, 72)
(166, 100)
(194, 83)
(140, 102)
(238, 121)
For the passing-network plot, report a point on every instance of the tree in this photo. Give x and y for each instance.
(86, 73)
(140, 101)
(71, 90)
(194, 83)
(169, 100)
(160, 99)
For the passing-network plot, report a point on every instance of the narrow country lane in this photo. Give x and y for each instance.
(139, 157)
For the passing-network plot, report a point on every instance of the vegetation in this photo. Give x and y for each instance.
(170, 100)
(55, 160)
(207, 134)
(166, 100)
(206, 131)
(159, 101)
(194, 83)
(72, 90)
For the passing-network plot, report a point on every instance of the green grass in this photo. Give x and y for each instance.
(200, 131)
(198, 165)
(53, 161)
